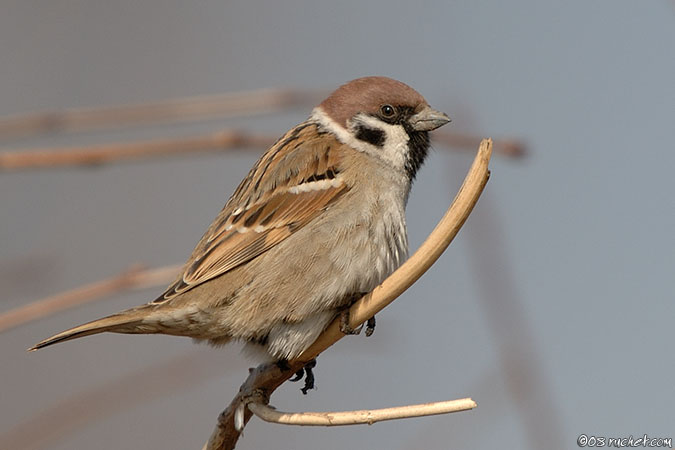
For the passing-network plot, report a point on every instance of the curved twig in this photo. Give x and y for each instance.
(362, 417)
(263, 380)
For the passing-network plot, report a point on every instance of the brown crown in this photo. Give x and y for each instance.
(367, 95)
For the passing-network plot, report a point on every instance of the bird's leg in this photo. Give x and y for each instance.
(309, 376)
(307, 372)
(370, 326)
(282, 364)
(344, 324)
(344, 320)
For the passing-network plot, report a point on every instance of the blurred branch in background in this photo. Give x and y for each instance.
(159, 380)
(507, 320)
(143, 386)
(509, 147)
(202, 108)
(117, 152)
(135, 277)
(206, 107)
(211, 143)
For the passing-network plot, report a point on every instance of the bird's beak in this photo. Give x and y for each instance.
(428, 119)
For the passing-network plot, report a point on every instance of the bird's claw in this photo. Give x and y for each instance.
(308, 374)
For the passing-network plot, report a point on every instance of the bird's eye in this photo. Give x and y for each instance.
(387, 111)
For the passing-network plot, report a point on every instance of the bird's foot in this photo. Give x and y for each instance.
(308, 374)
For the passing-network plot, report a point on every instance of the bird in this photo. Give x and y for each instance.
(318, 220)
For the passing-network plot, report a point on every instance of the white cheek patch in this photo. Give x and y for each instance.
(394, 150)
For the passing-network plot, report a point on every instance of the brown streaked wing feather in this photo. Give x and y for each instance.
(236, 248)
(264, 203)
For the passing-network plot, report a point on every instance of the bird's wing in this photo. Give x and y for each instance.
(295, 181)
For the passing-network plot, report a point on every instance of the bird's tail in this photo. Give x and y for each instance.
(132, 321)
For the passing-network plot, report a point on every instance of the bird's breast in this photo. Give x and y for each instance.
(388, 239)
(373, 241)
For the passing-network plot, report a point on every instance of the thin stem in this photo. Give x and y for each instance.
(362, 417)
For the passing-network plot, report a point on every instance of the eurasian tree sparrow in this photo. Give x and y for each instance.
(318, 220)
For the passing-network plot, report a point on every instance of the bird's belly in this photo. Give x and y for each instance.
(313, 275)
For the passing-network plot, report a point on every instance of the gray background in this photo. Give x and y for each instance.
(553, 308)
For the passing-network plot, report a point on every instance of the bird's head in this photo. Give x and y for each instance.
(384, 118)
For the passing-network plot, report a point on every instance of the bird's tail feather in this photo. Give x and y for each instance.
(130, 321)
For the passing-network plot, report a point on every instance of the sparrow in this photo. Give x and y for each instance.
(318, 220)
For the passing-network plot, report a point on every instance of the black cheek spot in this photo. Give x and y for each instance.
(371, 135)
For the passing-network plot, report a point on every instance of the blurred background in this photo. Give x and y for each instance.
(553, 308)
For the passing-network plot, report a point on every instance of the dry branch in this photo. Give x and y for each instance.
(362, 417)
(174, 110)
(263, 380)
(136, 277)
